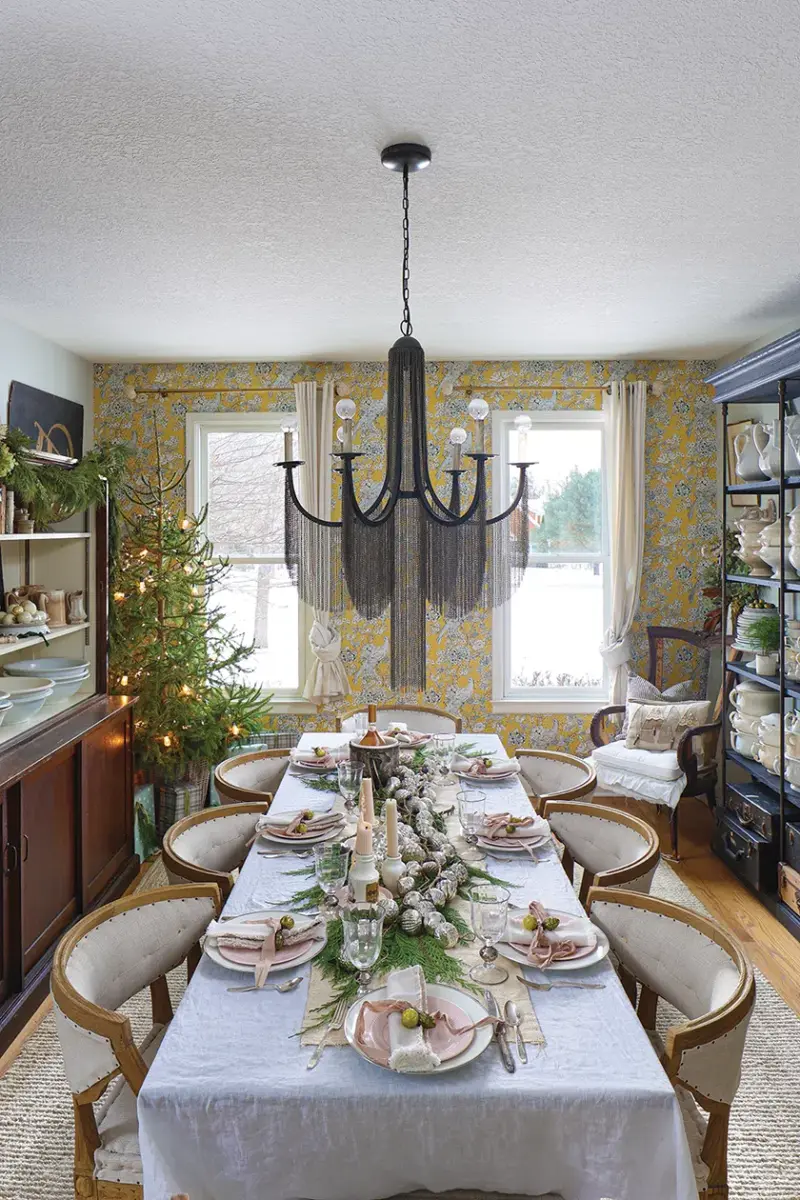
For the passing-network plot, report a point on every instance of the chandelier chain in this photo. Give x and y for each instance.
(405, 325)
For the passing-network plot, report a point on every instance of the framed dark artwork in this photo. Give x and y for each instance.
(739, 500)
(54, 424)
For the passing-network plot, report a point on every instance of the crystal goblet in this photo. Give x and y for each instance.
(350, 775)
(331, 864)
(472, 814)
(489, 904)
(362, 933)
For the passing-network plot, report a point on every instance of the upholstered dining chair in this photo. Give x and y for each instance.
(418, 716)
(615, 849)
(106, 959)
(207, 847)
(651, 775)
(554, 775)
(255, 775)
(701, 970)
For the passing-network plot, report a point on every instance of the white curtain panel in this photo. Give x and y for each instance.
(627, 419)
(327, 678)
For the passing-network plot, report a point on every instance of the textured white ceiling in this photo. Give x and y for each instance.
(186, 179)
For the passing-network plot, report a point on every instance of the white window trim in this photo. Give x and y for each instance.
(506, 699)
(198, 426)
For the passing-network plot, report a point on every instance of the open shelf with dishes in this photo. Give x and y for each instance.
(761, 712)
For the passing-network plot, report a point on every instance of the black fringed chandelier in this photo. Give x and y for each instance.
(407, 548)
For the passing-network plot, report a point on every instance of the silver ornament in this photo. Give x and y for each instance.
(439, 858)
(414, 853)
(414, 805)
(432, 920)
(391, 910)
(460, 871)
(448, 886)
(405, 884)
(446, 934)
(436, 896)
(437, 841)
(402, 794)
(428, 793)
(450, 852)
(392, 784)
(424, 907)
(414, 869)
(430, 869)
(411, 922)
(412, 898)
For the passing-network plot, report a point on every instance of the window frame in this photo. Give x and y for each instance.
(198, 426)
(505, 698)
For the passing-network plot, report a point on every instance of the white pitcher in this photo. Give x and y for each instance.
(747, 467)
(766, 439)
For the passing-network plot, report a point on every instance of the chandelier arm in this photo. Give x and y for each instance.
(372, 522)
(289, 469)
(452, 520)
(523, 479)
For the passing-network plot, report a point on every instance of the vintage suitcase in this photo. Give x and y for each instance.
(754, 859)
(791, 846)
(789, 886)
(758, 808)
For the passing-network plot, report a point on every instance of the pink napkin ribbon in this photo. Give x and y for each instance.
(320, 824)
(399, 1006)
(494, 826)
(541, 950)
(267, 953)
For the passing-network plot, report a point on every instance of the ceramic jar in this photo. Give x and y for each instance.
(750, 526)
(753, 700)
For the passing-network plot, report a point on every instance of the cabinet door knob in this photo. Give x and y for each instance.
(11, 856)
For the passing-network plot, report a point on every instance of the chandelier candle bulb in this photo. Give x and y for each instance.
(457, 438)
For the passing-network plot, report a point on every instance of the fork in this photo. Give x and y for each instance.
(283, 853)
(337, 1021)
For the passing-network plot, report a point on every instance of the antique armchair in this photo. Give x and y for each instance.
(661, 777)
(207, 847)
(615, 849)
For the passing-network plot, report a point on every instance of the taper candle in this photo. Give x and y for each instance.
(363, 838)
(367, 802)
(390, 812)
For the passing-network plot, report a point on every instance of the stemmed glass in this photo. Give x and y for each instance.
(362, 930)
(489, 919)
(331, 863)
(350, 775)
(472, 814)
(360, 723)
(444, 745)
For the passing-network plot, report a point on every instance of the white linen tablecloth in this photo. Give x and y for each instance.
(228, 1110)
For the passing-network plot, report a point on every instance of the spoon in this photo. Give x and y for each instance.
(289, 986)
(514, 1021)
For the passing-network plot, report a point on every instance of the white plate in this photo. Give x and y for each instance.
(308, 839)
(565, 964)
(210, 947)
(486, 778)
(312, 767)
(536, 843)
(436, 991)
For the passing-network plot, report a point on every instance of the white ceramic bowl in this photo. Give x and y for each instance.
(26, 704)
(772, 555)
(48, 668)
(752, 700)
(742, 723)
(63, 688)
(768, 757)
(745, 744)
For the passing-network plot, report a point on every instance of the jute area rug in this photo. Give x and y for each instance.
(764, 1149)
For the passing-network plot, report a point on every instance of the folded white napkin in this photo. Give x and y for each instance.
(410, 1049)
(486, 765)
(251, 932)
(578, 930)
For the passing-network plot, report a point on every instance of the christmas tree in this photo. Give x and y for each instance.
(169, 645)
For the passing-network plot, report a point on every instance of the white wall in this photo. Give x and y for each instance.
(31, 359)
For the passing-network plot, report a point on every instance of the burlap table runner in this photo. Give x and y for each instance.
(321, 993)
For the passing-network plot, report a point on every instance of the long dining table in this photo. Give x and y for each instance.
(228, 1110)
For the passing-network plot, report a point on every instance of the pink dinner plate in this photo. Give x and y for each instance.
(443, 1043)
(487, 778)
(249, 957)
(515, 843)
(581, 951)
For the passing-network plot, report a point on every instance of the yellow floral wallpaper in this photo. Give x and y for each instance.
(681, 498)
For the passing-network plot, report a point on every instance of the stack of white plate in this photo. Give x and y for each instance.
(66, 674)
(747, 617)
(27, 697)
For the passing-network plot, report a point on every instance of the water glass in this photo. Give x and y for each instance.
(472, 815)
(331, 864)
(350, 776)
(444, 745)
(489, 918)
(360, 723)
(362, 930)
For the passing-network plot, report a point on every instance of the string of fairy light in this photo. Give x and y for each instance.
(169, 739)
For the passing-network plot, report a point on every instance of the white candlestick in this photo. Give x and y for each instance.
(455, 456)
(367, 803)
(390, 810)
(480, 429)
(347, 447)
(287, 446)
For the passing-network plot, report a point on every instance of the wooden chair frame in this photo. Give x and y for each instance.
(615, 877)
(573, 793)
(700, 1031)
(117, 1029)
(420, 708)
(191, 872)
(701, 778)
(232, 791)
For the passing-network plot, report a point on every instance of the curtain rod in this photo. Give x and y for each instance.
(342, 390)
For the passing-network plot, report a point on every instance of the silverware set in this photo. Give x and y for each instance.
(288, 986)
(284, 853)
(336, 1023)
(547, 987)
(499, 1035)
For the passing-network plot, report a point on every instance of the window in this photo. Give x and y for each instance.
(547, 637)
(232, 473)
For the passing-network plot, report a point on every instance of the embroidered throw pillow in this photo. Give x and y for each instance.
(660, 725)
(643, 689)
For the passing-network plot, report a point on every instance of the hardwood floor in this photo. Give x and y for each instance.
(770, 947)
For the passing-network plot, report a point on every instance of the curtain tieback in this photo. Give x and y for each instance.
(615, 652)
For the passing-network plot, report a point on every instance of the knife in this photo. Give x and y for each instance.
(499, 1033)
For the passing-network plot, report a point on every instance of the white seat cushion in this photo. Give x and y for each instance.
(117, 1159)
(653, 764)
